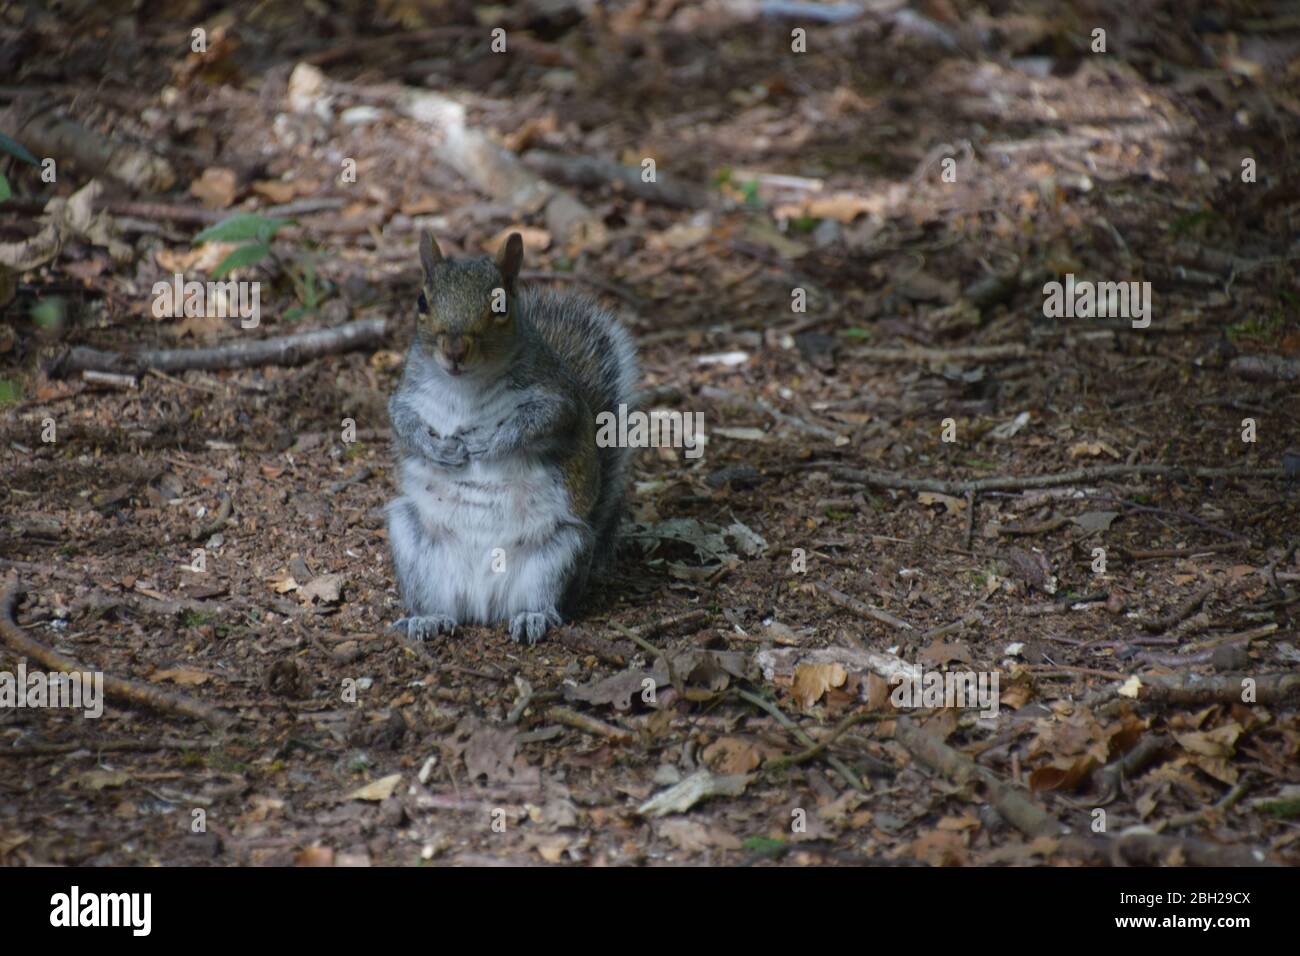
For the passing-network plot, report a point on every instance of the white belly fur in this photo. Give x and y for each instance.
(514, 504)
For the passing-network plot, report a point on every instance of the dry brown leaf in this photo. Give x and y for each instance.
(181, 675)
(216, 188)
(953, 506)
(1092, 449)
(1219, 742)
(377, 790)
(842, 207)
(811, 681)
(535, 240)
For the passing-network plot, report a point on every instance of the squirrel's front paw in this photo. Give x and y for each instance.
(532, 625)
(448, 452)
(423, 628)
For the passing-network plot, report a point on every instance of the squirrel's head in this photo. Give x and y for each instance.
(466, 307)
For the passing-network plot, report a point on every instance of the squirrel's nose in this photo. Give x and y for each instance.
(455, 348)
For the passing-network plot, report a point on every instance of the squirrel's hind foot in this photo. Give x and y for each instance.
(532, 625)
(423, 628)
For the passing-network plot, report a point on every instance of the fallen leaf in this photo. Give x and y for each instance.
(216, 187)
(952, 505)
(315, 856)
(1092, 449)
(535, 240)
(377, 790)
(811, 681)
(181, 675)
(325, 588)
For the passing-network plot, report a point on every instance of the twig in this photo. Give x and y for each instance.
(885, 479)
(967, 353)
(1198, 689)
(591, 172)
(816, 750)
(106, 746)
(588, 725)
(279, 350)
(1182, 612)
(862, 610)
(111, 379)
(1109, 779)
(1034, 822)
(840, 767)
(205, 531)
(114, 687)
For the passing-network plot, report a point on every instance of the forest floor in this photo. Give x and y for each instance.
(1142, 624)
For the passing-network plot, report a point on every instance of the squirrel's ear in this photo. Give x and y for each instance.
(510, 259)
(430, 254)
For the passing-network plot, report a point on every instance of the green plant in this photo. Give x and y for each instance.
(19, 151)
(305, 287)
(256, 232)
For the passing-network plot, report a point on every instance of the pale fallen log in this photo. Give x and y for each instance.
(496, 171)
(46, 133)
(279, 350)
(1266, 368)
(591, 172)
(779, 664)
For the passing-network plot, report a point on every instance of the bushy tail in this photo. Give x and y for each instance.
(600, 354)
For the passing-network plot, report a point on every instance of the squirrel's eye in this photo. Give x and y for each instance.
(422, 304)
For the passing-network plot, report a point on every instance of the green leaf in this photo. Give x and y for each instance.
(14, 148)
(765, 846)
(857, 333)
(48, 313)
(9, 391)
(242, 227)
(248, 255)
(5, 191)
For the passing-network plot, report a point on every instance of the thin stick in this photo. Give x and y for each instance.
(588, 725)
(114, 687)
(885, 479)
(840, 767)
(279, 350)
(862, 610)
(816, 750)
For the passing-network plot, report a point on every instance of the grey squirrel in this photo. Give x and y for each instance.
(507, 504)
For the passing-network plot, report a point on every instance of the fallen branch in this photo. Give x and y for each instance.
(886, 479)
(588, 725)
(47, 133)
(779, 664)
(840, 766)
(1266, 368)
(102, 747)
(843, 600)
(1109, 780)
(1200, 689)
(114, 687)
(1034, 822)
(279, 350)
(496, 171)
(1182, 612)
(591, 172)
(970, 353)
